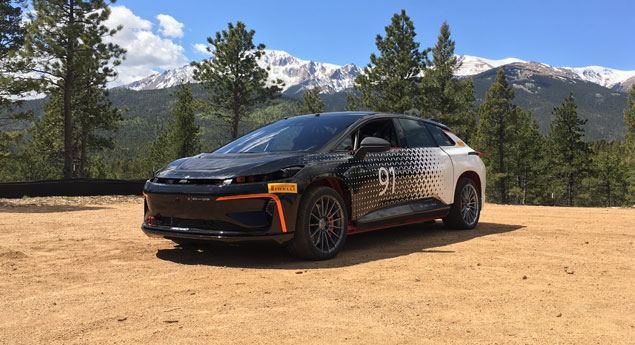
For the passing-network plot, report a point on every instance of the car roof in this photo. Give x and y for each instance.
(369, 114)
(358, 114)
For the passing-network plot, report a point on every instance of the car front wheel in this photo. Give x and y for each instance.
(321, 226)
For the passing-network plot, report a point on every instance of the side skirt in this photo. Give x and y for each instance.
(414, 217)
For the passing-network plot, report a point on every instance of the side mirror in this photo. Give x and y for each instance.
(371, 144)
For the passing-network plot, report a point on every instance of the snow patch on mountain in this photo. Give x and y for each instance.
(169, 78)
(472, 65)
(608, 77)
(291, 70)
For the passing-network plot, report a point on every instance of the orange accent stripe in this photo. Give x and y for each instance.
(274, 197)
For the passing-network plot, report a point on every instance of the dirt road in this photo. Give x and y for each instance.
(80, 271)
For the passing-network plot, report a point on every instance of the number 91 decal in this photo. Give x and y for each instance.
(385, 177)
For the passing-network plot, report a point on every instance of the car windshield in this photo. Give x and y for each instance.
(302, 133)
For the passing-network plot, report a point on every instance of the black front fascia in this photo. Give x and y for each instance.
(195, 210)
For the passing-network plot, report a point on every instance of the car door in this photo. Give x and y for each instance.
(431, 166)
(362, 176)
(401, 182)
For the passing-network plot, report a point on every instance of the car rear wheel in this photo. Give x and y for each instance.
(321, 226)
(466, 210)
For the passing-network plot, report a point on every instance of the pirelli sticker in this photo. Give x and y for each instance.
(283, 187)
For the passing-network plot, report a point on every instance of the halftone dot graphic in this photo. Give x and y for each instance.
(418, 174)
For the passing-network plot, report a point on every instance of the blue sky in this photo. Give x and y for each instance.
(560, 33)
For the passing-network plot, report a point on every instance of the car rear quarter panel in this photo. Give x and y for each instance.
(463, 161)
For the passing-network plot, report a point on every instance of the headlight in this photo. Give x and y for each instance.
(278, 175)
(175, 164)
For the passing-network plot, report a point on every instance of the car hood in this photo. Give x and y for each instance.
(222, 166)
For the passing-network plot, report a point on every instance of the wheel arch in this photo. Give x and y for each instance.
(472, 175)
(336, 184)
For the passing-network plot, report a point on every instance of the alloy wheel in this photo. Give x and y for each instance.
(326, 224)
(469, 204)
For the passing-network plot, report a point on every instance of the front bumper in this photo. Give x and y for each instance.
(213, 236)
(230, 213)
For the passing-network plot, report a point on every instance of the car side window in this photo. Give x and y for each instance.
(416, 134)
(347, 144)
(384, 129)
(441, 138)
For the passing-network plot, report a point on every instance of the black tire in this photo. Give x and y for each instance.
(319, 237)
(466, 211)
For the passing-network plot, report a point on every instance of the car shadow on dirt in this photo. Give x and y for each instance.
(46, 208)
(361, 248)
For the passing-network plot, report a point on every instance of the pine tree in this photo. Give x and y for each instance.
(160, 152)
(185, 133)
(445, 97)
(607, 183)
(11, 30)
(63, 37)
(181, 136)
(390, 81)
(526, 159)
(11, 39)
(569, 154)
(629, 143)
(312, 103)
(96, 120)
(495, 132)
(43, 155)
(232, 77)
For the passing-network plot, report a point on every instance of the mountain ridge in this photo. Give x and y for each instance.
(299, 74)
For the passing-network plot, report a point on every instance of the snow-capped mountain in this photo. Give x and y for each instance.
(294, 72)
(169, 78)
(626, 85)
(604, 76)
(472, 65)
(299, 75)
(607, 77)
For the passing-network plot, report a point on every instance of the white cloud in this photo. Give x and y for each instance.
(147, 52)
(201, 48)
(169, 26)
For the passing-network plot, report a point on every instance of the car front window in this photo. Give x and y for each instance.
(302, 133)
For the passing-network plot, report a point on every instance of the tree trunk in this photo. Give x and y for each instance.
(570, 191)
(235, 121)
(236, 115)
(83, 154)
(68, 126)
(524, 191)
(501, 159)
(68, 98)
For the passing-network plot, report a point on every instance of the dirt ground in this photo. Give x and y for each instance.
(79, 270)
